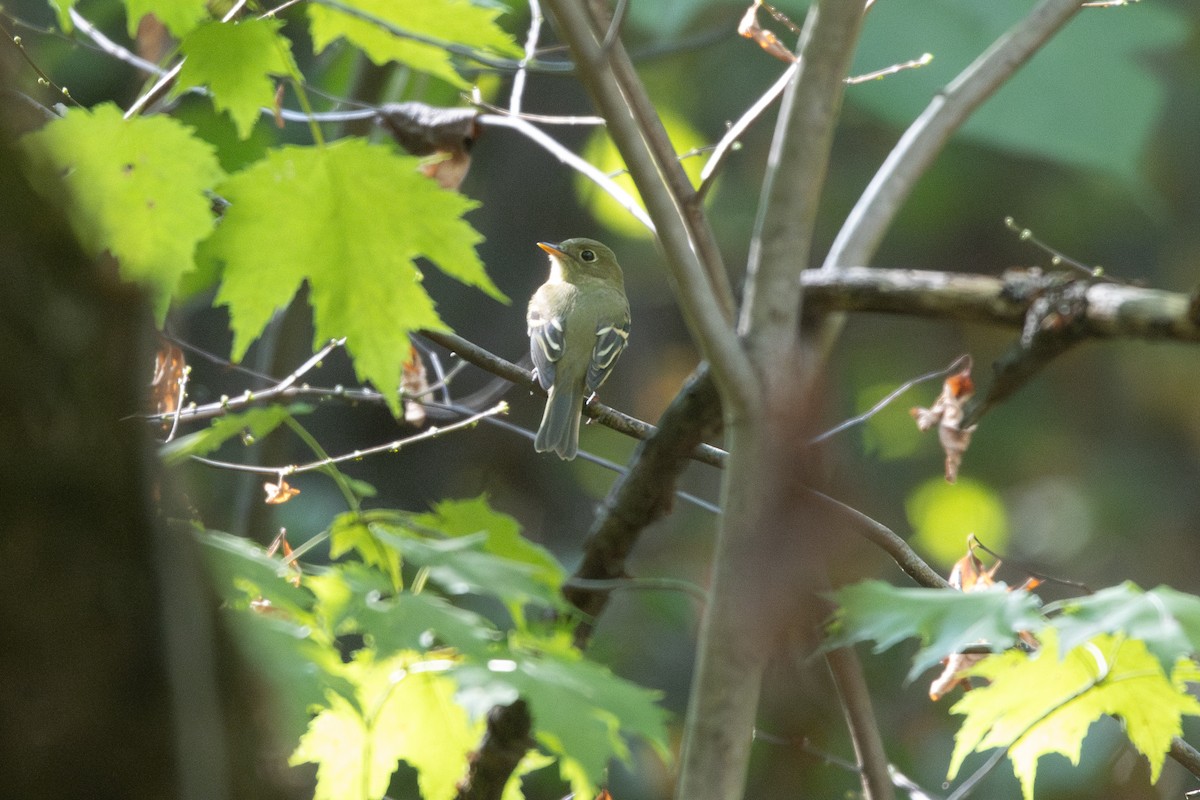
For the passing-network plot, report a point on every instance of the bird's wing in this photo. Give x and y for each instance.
(545, 344)
(610, 341)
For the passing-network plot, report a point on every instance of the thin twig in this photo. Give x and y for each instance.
(548, 143)
(912, 156)
(110, 47)
(531, 44)
(43, 78)
(495, 62)
(541, 119)
(957, 366)
(155, 91)
(971, 783)
(735, 132)
(855, 697)
(282, 6)
(606, 415)
(905, 557)
(875, 75)
(312, 362)
(389, 447)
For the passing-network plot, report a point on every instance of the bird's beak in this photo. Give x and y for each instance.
(552, 249)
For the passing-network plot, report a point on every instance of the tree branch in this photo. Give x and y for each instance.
(702, 309)
(795, 174)
(855, 698)
(643, 494)
(912, 156)
(1111, 310)
(677, 181)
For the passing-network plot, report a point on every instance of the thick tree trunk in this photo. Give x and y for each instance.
(111, 682)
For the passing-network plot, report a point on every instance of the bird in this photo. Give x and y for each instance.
(578, 323)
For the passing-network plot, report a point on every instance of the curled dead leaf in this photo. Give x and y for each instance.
(279, 493)
(414, 384)
(947, 413)
(168, 386)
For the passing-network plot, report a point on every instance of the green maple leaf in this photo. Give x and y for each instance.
(463, 565)
(132, 188)
(944, 621)
(234, 61)
(450, 21)
(580, 709)
(351, 533)
(403, 709)
(62, 12)
(350, 218)
(455, 518)
(1168, 621)
(179, 16)
(257, 421)
(1038, 703)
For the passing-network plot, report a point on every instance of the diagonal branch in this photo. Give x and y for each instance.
(701, 306)
(796, 168)
(923, 141)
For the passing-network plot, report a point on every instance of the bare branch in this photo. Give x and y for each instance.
(796, 168)
(609, 417)
(643, 494)
(743, 124)
(626, 200)
(919, 146)
(389, 447)
(702, 307)
(1111, 310)
(855, 698)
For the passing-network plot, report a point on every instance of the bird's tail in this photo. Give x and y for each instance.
(559, 431)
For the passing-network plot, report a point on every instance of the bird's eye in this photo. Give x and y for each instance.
(588, 255)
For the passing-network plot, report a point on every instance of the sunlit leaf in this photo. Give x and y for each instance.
(258, 422)
(429, 22)
(1167, 621)
(349, 533)
(350, 219)
(132, 188)
(580, 709)
(405, 711)
(234, 62)
(455, 518)
(178, 16)
(944, 621)
(1038, 703)
(463, 565)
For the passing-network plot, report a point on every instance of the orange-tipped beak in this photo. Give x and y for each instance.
(552, 249)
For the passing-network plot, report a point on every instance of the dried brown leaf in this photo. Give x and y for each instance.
(280, 493)
(414, 384)
(947, 413)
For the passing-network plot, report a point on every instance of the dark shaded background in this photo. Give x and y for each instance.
(1096, 465)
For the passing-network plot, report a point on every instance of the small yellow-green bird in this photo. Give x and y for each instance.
(578, 324)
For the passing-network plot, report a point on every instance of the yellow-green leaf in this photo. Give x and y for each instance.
(234, 62)
(1038, 703)
(404, 709)
(379, 29)
(350, 219)
(178, 16)
(132, 188)
(350, 533)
